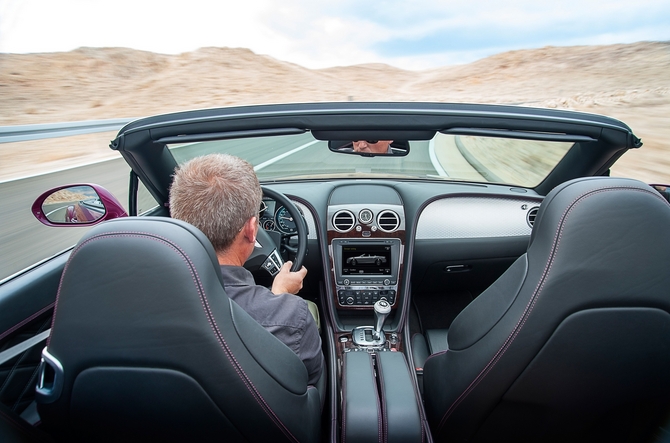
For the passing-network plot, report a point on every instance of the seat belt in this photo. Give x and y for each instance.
(15, 350)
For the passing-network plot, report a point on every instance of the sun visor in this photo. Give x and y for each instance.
(373, 135)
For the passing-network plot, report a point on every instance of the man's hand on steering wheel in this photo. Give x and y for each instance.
(287, 281)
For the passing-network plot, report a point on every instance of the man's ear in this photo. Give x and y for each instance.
(250, 229)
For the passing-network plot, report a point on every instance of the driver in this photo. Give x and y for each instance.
(373, 146)
(220, 195)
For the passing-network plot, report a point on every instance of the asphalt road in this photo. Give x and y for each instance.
(24, 241)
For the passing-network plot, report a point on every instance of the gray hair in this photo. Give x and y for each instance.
(216, 193)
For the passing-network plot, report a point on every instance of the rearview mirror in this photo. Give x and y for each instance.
(664, 190)
(76, 205)
(370, 148)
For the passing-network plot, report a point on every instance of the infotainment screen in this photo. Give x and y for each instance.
(361, 259)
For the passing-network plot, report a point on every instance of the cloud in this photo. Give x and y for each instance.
(519, 25)
(168, 26)
(323, 33)
(425, 34)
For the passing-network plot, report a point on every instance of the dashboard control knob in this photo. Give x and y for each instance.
(387, 282)
(346, 282)
(350, 300)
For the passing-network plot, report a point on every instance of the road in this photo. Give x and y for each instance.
(24, 241)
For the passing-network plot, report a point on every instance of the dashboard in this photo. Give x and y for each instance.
(275, 217)
(370, 240)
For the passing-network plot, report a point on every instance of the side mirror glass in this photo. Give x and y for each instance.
(76, 205)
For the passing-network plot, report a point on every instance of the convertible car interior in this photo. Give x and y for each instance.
(482, 279)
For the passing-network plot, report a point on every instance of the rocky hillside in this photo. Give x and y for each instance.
(630, 82)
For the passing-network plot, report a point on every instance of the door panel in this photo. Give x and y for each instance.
(26, 307)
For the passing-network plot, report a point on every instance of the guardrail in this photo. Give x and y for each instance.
(10, 134)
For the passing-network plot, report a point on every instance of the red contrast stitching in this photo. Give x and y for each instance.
(380, 431)
(208, 313)
(27, 320)
(384, 412)
(534, 297)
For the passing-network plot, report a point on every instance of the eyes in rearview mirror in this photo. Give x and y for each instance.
(76, 205)
(664, 190)
(370, 148)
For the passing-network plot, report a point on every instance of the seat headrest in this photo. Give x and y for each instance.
(594, 199)
(186, 236)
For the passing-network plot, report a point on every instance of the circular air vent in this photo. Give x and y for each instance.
(365, 216)
(388, 221)
(344, 221)
(530, 216)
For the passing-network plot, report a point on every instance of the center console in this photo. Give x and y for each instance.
(379, 400)
(366, 270)
(366, 245)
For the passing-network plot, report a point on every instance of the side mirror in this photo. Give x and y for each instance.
(77, 205)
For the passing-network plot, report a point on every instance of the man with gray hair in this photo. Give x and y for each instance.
(220, 195)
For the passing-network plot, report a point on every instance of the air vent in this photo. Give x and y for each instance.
(365, 216)
(530, 216)
(388, 221)
(344, 221)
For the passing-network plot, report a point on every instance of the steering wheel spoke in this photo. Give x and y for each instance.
(273, 263)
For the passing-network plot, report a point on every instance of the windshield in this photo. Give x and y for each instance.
(446, 157)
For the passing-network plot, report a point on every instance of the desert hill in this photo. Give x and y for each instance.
(630, 82)
(551, 73)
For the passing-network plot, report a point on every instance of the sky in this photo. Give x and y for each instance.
(408, 34)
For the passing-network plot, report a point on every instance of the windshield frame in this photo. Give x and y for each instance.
(143, 143)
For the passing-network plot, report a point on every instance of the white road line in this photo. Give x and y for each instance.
(433, 159)
(284, 155)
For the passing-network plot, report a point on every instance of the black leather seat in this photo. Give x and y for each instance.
(150, 348)
(572, 343)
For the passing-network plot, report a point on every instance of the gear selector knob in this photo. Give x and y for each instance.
(382, 310)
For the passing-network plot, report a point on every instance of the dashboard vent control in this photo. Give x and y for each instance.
(531, 215)
(344, 221)
(365, 216)
(388, 221)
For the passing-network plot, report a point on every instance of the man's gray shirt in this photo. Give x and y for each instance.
(286, 316)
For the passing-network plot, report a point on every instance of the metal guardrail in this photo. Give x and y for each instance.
(10, 134)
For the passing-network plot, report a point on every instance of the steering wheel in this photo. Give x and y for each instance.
(266, 253)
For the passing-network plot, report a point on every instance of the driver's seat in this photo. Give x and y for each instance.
(146, 346)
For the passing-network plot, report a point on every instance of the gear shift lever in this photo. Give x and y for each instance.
(369, 336)
(382, 310)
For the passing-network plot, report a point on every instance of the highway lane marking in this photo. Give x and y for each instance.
(433, 159)
(284, 155)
